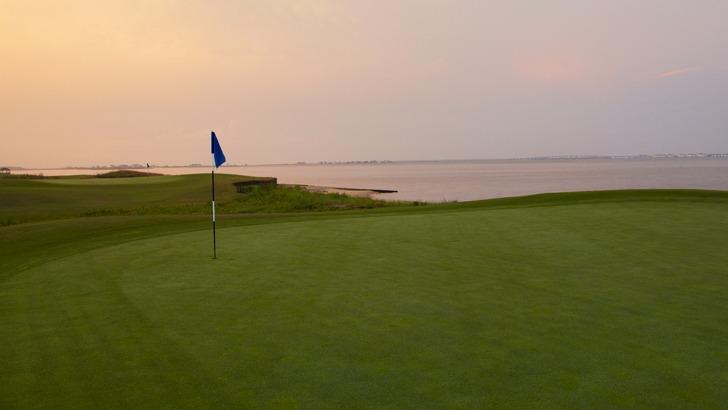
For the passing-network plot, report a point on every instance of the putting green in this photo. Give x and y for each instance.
(597, 305)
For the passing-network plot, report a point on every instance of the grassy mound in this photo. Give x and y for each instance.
(127, 173)
(34, 200)
(611, 299)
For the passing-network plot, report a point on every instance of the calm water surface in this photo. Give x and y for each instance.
(462, 181)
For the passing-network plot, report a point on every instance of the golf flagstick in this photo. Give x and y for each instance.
(218, 158)
(214, 239)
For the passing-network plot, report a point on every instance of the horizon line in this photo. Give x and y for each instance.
(384, 161)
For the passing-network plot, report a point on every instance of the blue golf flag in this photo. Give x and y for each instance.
(217, 153)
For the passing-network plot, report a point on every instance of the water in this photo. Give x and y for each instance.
(462, 181)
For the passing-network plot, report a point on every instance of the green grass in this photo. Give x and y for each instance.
(578, 300)
(26, 200)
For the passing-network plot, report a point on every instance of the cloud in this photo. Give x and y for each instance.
(679, 71)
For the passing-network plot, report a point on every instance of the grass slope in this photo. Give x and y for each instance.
(587, 300)
(25, 200)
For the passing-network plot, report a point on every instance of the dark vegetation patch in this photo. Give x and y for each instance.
(293, 198)
(23, 176)
(246, 186)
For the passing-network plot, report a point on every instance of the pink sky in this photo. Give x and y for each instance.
(88, 82)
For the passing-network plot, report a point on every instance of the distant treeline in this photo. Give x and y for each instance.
(124, 173)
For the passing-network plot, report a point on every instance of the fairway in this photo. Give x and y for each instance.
(614, 303)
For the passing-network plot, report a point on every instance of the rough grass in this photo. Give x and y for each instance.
(257, 199)
(292, 199)
(24, 200)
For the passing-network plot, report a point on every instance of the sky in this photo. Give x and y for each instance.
(107, 82)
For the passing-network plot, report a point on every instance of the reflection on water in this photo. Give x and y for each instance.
(462, 181)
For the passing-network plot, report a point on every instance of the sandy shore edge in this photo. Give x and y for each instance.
(354, 192)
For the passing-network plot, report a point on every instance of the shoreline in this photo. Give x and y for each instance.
(353, 192)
